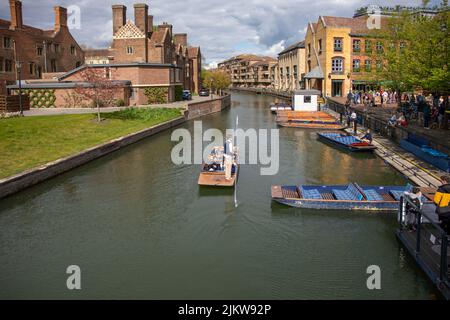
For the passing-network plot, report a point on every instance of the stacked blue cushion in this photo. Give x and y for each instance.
(311, 194)
(373, 195)
(351, 193)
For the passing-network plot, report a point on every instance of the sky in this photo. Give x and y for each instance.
(222, 28)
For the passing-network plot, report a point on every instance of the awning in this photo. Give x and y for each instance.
(315, 73)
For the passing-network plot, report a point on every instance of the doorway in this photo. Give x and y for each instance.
(336, 88)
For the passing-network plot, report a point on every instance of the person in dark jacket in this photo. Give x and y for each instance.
(442, 202)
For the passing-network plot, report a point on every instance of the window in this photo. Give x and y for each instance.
(337, 65)
(281, 72)
(309, 66)
(7, 42)
(379, 46)
(56, 47)
(356, 45)
(368, 65)
(368, 46)
(356, 65)
(8, 65)
(295, 72)
(130, 50)
(31, 67)
(39, 51)
(78, 64)
(320, 46)
(53, 65)
(338, 44)
(307, 99)
(309, 49)
(72, 50)
(287, 72)
(1, 64)
(379, 65)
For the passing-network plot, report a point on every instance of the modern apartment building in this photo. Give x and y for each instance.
(288, 73)
(248, 70)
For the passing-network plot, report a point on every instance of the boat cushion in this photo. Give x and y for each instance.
(351, 193)
(311, 194)
(373, 195)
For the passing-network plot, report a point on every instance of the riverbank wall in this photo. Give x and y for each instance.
(270, 92)
(49, 170)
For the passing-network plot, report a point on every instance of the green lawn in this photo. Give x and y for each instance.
(32, 141)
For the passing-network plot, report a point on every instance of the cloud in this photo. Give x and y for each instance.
(221, 28)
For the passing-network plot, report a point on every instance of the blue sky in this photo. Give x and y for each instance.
(221, 28)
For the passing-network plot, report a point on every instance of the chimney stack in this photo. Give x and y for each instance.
(150, 23)
(15, 8)
(141, 17)
(180, 38)
(60, 18)
(119, 17)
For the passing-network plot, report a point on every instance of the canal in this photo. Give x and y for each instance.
(139, 227)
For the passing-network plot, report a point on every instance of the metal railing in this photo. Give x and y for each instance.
(431, 242)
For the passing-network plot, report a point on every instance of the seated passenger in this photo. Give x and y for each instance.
(367, 137)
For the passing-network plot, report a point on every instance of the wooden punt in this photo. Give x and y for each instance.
(341, 197)
(215, 179)
(308, 119)
(346, 141)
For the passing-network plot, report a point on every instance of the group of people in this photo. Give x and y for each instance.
(372, 98)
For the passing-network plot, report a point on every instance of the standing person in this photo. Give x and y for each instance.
(385, 98)
(426, 116)
(349, 97)
(441, 112)
(354, 118)
(442, 202)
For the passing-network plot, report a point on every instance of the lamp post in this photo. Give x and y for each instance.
(19, 72)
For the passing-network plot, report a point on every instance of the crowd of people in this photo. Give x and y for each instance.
(428, 110)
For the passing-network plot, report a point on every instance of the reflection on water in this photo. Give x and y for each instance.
(140, 227)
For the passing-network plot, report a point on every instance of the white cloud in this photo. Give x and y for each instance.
(221, 28)
(275, 49)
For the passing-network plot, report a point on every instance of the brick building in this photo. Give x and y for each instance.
(248, 70)
(39, 51)
(142, 57)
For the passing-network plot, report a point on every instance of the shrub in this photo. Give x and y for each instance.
(119, 102)
(156, 95)
(178, 93)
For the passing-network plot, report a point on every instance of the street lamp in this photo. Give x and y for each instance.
(19, 72)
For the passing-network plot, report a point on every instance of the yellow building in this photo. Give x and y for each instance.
(334, 54)
(289, 72)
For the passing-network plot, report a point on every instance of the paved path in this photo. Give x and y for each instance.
(60, 111)
(416, 170)
(441, 136)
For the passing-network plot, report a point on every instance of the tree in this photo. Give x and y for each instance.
(97, 87)
(216, 80)
(415, 53)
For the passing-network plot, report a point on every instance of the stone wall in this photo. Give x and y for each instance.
(199, 109)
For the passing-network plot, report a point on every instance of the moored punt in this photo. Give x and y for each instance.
(215, 178)
(346, 141)
(274, 107)
(223, 169)
(308, 119)
(342, 197)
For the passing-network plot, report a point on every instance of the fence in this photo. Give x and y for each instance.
(12, 103)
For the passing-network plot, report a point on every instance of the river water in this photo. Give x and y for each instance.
(139, 227)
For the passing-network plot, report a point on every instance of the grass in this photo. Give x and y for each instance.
(28, 142)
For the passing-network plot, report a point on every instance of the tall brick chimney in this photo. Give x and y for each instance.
(119, 17)
(60, 18)
(15, 8)
(150, 23)
(180, 38)
(141, 17)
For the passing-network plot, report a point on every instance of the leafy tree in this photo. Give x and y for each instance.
(97, 87)
(415, 51)
(216, 80)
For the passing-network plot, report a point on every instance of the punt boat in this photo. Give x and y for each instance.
(279, 106)
(346, 141)
(222, 168)
(308, 120)
(342, 197)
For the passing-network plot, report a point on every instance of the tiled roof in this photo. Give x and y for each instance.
(129, 31)
(297, 45)
(159, 35)
(356, 25)
(193, 52)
